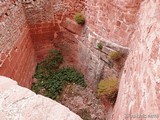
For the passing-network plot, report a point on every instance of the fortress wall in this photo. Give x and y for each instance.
(139, 90)
(46, 21)
(52, 26)
(112, 19)
(107, 21)
(17, 57)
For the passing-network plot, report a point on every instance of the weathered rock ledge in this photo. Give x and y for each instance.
(19, 103)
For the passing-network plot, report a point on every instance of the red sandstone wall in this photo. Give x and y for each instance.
(112, 19)
(40, 20)
(139, 91)
(106, 21)
(45, 20)
(17, 58)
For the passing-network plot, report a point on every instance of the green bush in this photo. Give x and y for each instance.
(100, 46)
(49, 65)
(54, 83)
(53, 60)
(109, 88)
(51, 79)
(79, 18)
(114, 55)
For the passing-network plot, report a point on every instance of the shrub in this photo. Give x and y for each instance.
(49, 65)
(51, 79)
(53, 60)
(100, 46)
(79, 18)
(114, 55)
(54, 83)
(109, 88)
(70, 75)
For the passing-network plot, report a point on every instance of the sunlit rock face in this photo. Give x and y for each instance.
(18, 103)
(139, 91)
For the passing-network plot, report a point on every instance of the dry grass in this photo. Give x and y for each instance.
(114, 55)
(109, 88)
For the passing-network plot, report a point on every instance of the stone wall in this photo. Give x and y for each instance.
(109, 22)
(112, 19)
(40, 20)
(52, 27)
(42, 27)
(139, 91)
(17, 58)
(46, 19)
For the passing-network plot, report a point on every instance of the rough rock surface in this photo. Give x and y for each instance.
(15, 44)
(84, 102)
(18, 103)
(139, 92)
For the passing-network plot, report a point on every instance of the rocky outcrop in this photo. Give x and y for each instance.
(18, 103)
